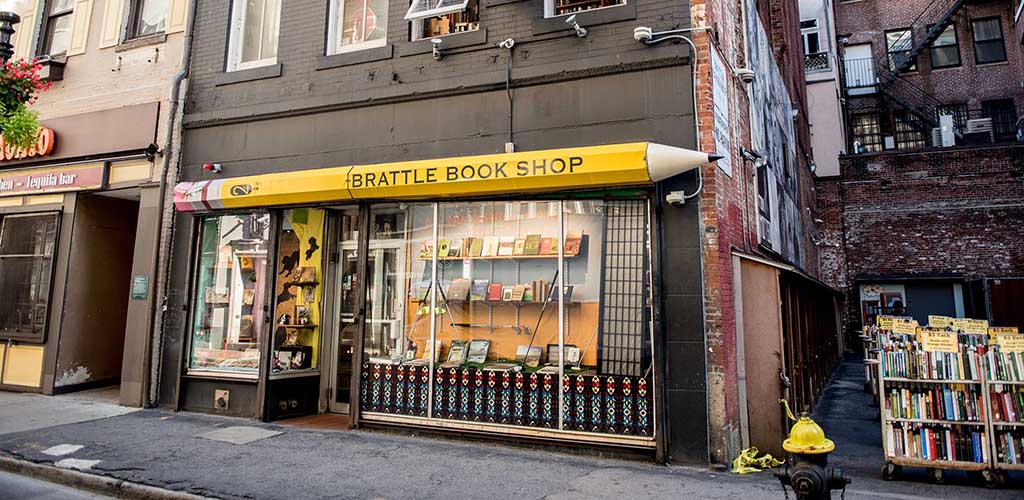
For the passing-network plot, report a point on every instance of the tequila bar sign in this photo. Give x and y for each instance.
(50, 180)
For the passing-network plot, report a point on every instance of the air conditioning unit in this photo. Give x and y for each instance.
(981, 125)
(764, 228)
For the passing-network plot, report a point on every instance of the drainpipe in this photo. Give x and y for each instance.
(155, 345)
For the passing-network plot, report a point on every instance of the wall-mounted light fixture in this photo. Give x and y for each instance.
(435, 44)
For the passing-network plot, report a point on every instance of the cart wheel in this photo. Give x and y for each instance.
(1003, 477)
(991, 479)
(891, 471)
(935, 476)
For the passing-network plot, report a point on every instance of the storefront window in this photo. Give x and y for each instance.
(400, 314)
(298, 291)
(230, 293)
(517, 339)
(26, 265)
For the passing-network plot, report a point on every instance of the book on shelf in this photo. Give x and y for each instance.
(903, 357)
(545, 246)
(506, 245)
(494, 292)
(443, 248)
(553, 250)
(458, 290)
(1007, 403)
(938, 442)
(532, 245)
(1009, 444)
(572, 244)
(517, 293)
(1005, 366)
(954, 402)
(475, 245)
(506, 293)
(528, 295)
(478, 293)
(519, 246)
(455, 250)
(490, 248)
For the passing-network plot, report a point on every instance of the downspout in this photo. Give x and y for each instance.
(156, 329)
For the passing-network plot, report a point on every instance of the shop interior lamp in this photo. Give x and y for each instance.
(8, 18)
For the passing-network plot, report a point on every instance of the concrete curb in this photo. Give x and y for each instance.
(103, 485)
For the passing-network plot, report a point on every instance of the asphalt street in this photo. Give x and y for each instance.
(15, 487)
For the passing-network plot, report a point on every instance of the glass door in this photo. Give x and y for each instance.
(346, 288)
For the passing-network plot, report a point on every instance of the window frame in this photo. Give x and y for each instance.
(550, 7)
(194, 293)
(811, 30)
(889, 52)
(955, 45)
(40, 336)
(417, 26)
(135, 16)
(333, 32)
(46, 40)
(434, 12)
(907, 133)
(236, 36)
(1001, 40)
(880, 144)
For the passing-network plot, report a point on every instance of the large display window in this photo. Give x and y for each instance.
(230, 294)
(27, 244)
(528, 314)
(298, 291)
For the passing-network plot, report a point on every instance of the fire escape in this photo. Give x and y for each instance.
(882, 76)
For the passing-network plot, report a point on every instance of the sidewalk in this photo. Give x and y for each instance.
(174, 451)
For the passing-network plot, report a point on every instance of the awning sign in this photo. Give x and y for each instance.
(53, 179)
(527, 172)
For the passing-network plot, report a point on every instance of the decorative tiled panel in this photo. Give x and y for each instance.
(593, 403)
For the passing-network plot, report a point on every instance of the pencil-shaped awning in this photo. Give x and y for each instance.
(615, 165)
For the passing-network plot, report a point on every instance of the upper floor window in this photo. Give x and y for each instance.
(945, 50)
(254, 31)
(988, 41)
(356, 25)
(811, 36)
(867, 133)
(433, 18)
(554, 8)
(898, 44)
(148, 17)
(57, 34)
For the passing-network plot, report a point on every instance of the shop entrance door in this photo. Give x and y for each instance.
(384, 309)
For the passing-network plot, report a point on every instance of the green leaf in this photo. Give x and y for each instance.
(19, 127)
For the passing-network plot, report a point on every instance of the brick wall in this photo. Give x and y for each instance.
(970, 83)
(952, 211)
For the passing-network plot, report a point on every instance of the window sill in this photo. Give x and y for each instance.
(136, 43)
(248, 75)
(453, 41)
(495, 3)
(53, 70)
(991, 64)
(587, 18)
(355, 57)
(223, 375)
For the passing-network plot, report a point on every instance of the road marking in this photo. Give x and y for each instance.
(76, 463)
(62, 449)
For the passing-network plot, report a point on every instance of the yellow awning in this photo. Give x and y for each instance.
(632, 164)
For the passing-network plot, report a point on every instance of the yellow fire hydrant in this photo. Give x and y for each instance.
(806, 469)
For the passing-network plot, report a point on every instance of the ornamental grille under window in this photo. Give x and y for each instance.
(624, 339)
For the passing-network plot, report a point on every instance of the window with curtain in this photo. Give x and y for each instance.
(254, 33)
(357, 25)
(27, 244)
(230, 293)
(867, 131)
(57, 28)
(989, 46)
(148, 17)
(945, 50)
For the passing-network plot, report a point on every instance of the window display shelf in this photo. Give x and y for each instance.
(296, 326)
(295, 374)
(506, 257)
(302, 283)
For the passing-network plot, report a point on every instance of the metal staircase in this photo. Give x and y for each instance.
(939, 14)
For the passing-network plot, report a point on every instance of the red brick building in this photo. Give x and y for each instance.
(925, 215)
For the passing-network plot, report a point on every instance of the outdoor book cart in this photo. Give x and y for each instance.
(951, 401)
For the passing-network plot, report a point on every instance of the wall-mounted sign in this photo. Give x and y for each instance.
(42, 147)
(53, 179)
(720, 81)
(140, 287)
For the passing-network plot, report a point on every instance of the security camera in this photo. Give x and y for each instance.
(643, 34)
(745, 75)
(507, 43)
(435, 43)
(580, 30)
(675, 198)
